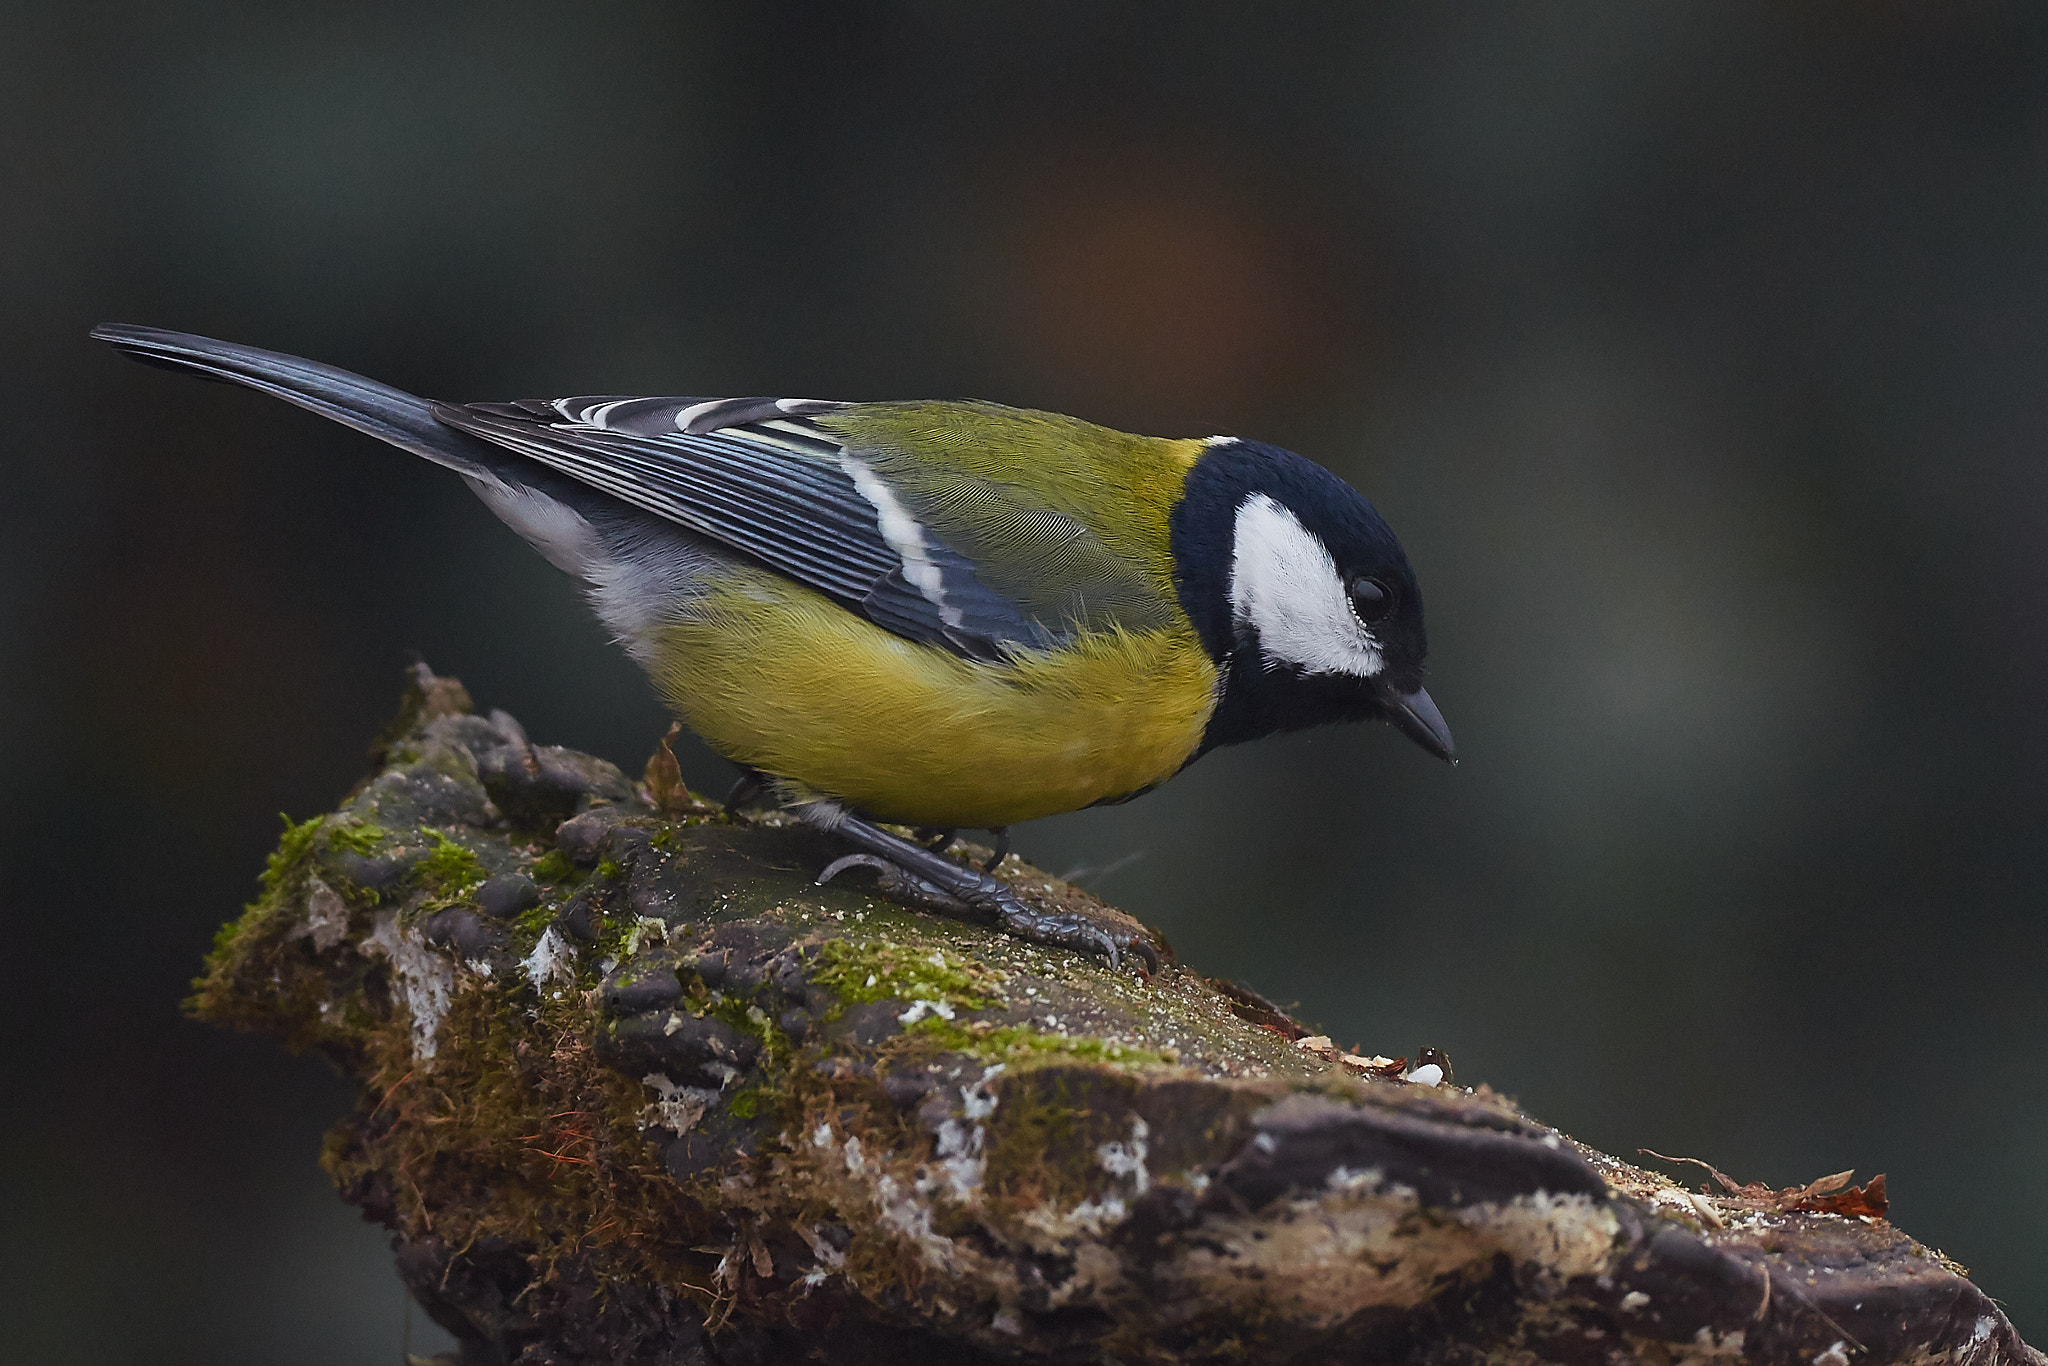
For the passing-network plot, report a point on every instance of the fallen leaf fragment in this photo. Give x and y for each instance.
(1357, 1064)
(1824, 1196)
(1857, 1202)
(664, 776)
(1376, 1065)
(1255, 1009)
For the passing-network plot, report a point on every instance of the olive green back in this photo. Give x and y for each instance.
(1067, 518)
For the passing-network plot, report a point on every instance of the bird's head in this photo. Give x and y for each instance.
(1302, 596)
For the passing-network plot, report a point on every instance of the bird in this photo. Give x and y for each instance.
(938, 614)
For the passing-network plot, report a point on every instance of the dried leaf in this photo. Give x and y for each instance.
(664, 776)
(1824, 1196)
(1255, 1009)
(1375, 1065)
(1857, 1202)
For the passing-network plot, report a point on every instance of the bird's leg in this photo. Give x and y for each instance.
(911, 871)
(938, 839)
(753, 782)
(1002, 834)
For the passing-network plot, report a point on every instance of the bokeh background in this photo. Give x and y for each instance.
(1696, 351)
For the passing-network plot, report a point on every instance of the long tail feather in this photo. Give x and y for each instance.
(389, 414)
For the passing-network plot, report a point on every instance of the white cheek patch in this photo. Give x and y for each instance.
(1285, 585)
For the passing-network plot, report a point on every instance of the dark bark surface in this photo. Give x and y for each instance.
(634, 1090)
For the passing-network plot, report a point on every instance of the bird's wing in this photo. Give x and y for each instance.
(1068, 519)
(774, 480)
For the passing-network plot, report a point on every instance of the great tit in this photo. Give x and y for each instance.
(937, 614)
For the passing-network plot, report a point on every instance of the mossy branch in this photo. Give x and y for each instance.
(634, 1090)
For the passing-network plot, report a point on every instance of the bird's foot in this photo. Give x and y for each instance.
(753, 782)
(1002, 848)
(913, 874)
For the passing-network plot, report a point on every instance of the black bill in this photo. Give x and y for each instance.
(1416, 716)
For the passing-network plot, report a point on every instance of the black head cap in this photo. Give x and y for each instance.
(1302, 596)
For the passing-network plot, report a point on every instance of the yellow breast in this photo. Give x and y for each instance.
(776, 676)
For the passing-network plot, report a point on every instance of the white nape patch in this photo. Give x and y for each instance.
(553, 528)
(1284, 583)
(905, 536)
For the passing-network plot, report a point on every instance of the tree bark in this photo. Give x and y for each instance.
(634, 1090)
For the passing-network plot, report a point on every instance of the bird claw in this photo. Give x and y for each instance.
(1064, 930)
(992, 902)
(899, 884)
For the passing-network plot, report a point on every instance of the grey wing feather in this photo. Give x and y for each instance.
(776, 488)
(751, 474)
(389, 414)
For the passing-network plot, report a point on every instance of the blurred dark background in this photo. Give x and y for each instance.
(1695, 350)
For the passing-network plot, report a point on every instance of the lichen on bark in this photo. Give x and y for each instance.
(633, 1089)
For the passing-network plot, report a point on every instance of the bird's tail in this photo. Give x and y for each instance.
(389, 414)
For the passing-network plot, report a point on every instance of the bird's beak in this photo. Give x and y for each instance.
(1416, 716)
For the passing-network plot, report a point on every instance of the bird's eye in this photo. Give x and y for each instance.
(1371, 599)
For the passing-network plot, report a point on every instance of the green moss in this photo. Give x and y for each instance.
(882, 971)
(636, 933)
(745, 1103)
(1020, 1044)
(748, 1018)
(1031, 1156)
(1052, 1121)
(553, 866)
(224, 938)
(534, 922)
(290, 852)
(357, 837)
(450, 870)
(280, 869)
(610, 870)
(614, 932)
(256, 946)
(551, 1137)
